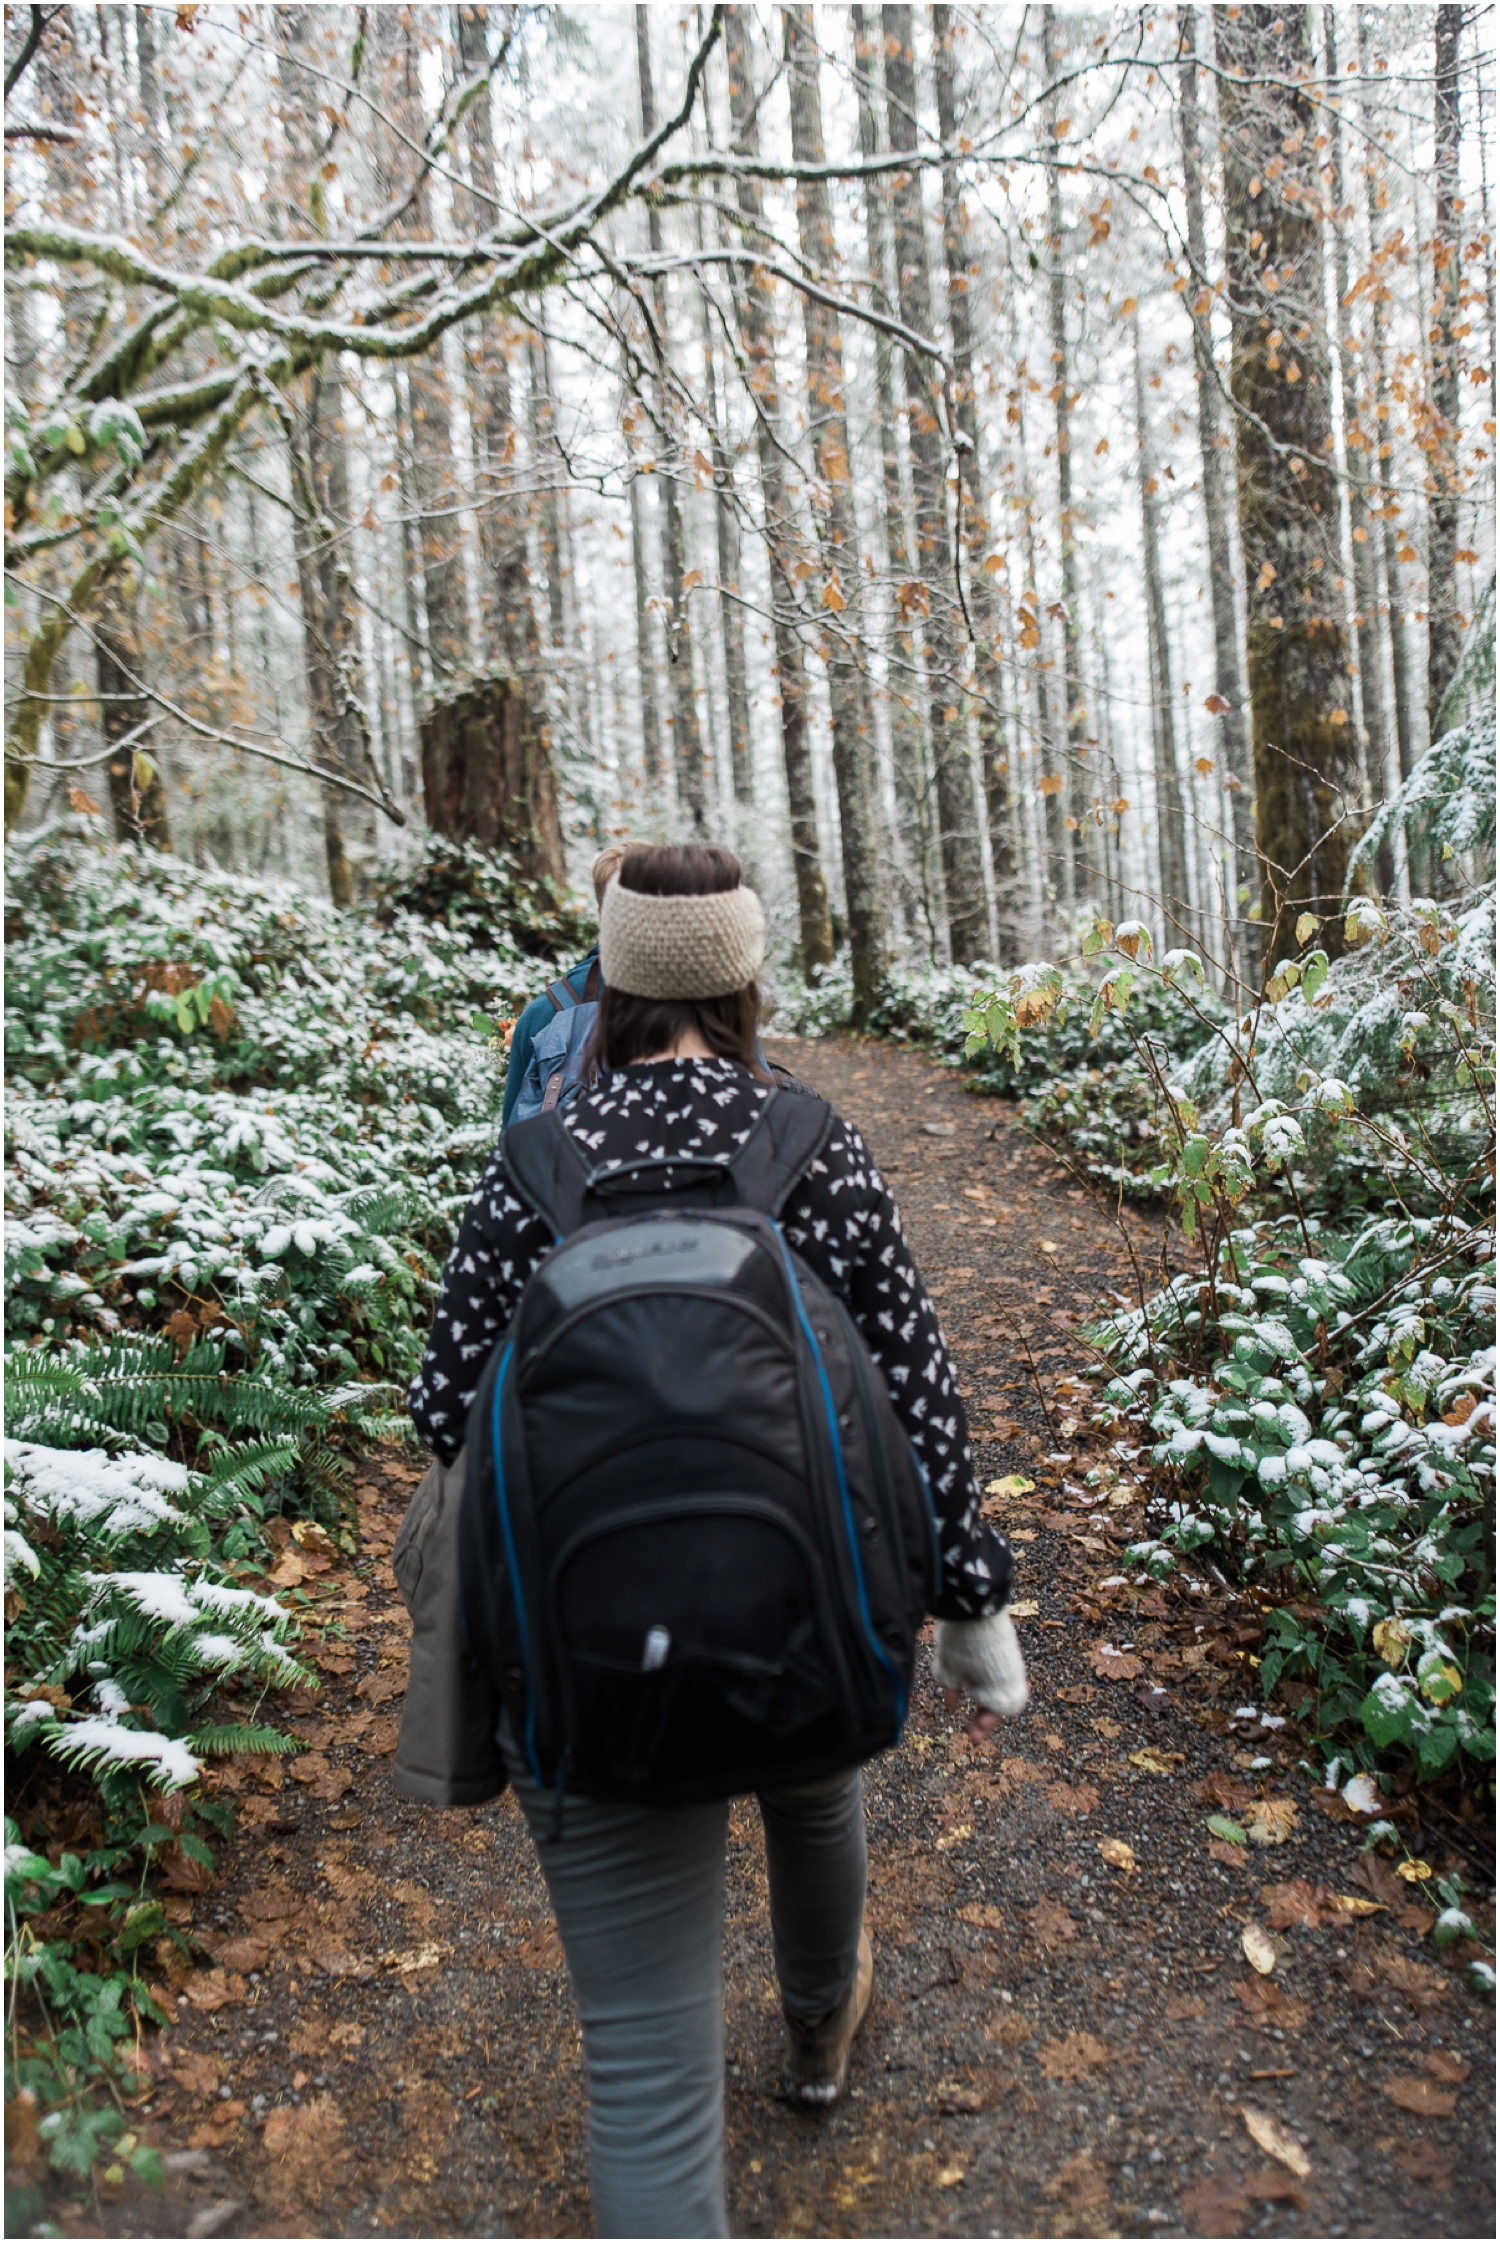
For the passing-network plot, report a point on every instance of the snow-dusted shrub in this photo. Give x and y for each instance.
(125, 1616)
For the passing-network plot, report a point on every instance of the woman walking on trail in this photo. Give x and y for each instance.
(638, 1888)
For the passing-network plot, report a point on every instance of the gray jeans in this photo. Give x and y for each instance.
(639, 1898)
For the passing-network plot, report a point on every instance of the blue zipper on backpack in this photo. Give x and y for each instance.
(838, 1464)
(510, 1559)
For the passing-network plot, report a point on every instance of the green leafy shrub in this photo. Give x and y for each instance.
(233, 1108)
(1321, 1387)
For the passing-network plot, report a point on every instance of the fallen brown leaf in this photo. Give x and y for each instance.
(244, 1954)
(1272, 2186)
(1024, 1771)
(1081, 2193)
(1221, 1790)
(1267, 2003)
(973, 2092)
(201, 2075)
(1073, 2057)
(303, 2141)
(1185, 2008)
(1115, 1666)
(1269, 1822)
(984, 1913)
(1453, 2070)
(1410, 2092)
(1427, 2162)
(1073, 1799)
(1233, 1857)
(1417, 1981)
(1118, 1854)
(1050, 1925)
(270, 1901)
(1277, 2141)
(543, 1950)
(1375, 1876)
(214, 1989)
(1215, 2205)
(1296, 1902)
(383, 1685)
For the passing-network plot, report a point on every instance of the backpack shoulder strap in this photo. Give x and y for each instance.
(559, 994)
(792, 1131)
(593, 982)
(548, 1170)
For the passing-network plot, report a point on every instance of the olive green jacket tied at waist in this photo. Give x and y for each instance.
(447, 1754)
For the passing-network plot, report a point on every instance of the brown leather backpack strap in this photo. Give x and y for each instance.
(554, 1088)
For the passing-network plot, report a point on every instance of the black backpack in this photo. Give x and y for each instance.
(696, 1545)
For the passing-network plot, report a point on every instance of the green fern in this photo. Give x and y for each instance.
(222, 1738)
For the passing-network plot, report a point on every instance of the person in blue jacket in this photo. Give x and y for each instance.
(583, 980)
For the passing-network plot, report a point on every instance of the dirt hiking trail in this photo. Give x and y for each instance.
(1067, 2038)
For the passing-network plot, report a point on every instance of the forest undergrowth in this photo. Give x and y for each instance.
(241, 1128)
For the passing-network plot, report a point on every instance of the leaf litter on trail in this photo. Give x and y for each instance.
(1296, 1902)
(1266, 2003)
(1270, 1822)
(1259, 1947)
(1051, 1925)
(1422, 2097)
(1118, 1854)
(1080, 2191)
(1277, 2141)
(1113, 1665)
(1071, 2059)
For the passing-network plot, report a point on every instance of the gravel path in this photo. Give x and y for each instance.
(1067, 2038)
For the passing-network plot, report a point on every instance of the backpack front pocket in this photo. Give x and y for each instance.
(693, 1640)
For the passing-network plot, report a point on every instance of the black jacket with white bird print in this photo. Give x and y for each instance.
(840, 1218)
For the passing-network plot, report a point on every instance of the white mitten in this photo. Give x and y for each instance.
(982, 1657)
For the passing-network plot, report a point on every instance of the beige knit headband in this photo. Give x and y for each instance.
(680, 946)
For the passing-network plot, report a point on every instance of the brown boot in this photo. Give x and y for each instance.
(817, 2054)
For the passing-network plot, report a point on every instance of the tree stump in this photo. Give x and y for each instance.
(487, 776)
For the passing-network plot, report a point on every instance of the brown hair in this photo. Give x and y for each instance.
(631, 1028)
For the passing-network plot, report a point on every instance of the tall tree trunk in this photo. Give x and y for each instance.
(838, 534)
(137, 792)
(687, 734)
(546, 463)
(1229, 684)
(816, 927)
(907, 753)
(1074, 716)
(150, 89)
(507, 617)
(399, 38)
(963, 868)
(1171, 819)
(1306, 764)
(645, 652)
(1444, 629)
(320, 479)
(1358, 441)
(727, 539)
(994, 755)
(1403, 685)
(1049, 787)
